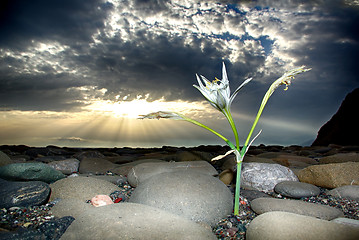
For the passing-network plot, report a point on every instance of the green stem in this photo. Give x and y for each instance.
(228, 115)
(264, 102)
(238, 185)
(239, 157)
(209, 129)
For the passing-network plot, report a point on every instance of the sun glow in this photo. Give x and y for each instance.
(137, 107)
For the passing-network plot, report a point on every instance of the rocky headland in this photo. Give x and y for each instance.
(343, 127)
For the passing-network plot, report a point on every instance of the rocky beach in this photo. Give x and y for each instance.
(109, 109)
(178, 193)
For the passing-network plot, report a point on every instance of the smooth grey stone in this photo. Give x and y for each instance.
(82, 188)
(195, 196)
(134, 221)
(350, 192)
(263, 205)
(144, 171)
(23, 194)
(285, 225)
(30, 172)
(264, 176)
(295, 189)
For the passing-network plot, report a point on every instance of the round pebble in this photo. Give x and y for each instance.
(294, 189)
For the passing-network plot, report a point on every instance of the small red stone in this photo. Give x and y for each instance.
(101, 200)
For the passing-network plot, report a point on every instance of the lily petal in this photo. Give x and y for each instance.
(208, 83)
(199, 82)
(224, 74)
(208, 97)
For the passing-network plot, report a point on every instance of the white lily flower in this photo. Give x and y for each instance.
(217, 92)
(219, 96)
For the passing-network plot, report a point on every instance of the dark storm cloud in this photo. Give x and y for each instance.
(149, 63)
(66, 21)
(161, 66)
(38, 93)
(22, 25)
(160, 56)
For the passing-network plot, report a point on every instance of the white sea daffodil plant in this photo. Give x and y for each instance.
(218, 95)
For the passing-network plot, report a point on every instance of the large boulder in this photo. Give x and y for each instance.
(190, 194)
(134, 221)
(144, 171)
(285, 225)
(331, 175)
(342, 128)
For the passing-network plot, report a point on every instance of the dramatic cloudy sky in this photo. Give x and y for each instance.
(78, 73)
